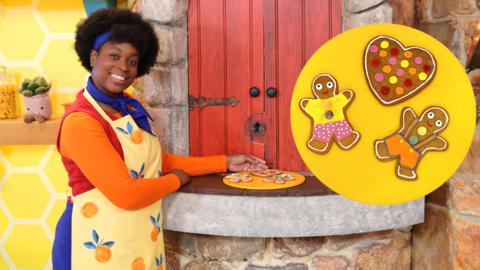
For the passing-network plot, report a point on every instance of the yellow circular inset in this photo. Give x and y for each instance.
(408, 54)
(422, 76)
(387, 69)
(384, 44)
(382, 53)
(357, 173)
(412, 71)
(404, 63)
(399, 90)
(393, 80)
(259, 183)
(422, 131)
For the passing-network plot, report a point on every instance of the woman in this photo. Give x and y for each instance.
(116, 169)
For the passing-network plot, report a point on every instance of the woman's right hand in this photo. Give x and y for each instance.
(184, 178)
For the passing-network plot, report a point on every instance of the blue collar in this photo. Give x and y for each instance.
(123, 104)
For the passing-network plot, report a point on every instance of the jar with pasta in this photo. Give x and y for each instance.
(8, 95)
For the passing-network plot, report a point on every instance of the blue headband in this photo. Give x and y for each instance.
(100, 40)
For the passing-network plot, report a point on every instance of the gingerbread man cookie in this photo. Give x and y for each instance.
(395, 73)
(327, 111)
(415, 137)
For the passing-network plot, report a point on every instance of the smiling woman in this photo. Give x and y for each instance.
(116, 169)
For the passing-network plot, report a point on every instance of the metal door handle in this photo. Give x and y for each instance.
(271, 92)
(202, 102)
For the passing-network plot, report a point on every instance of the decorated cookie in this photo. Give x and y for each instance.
(415, 137)
(395, 73)
(327, 110)
(266, 172)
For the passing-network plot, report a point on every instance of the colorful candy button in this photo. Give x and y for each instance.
(384, 44)
(399, 72)
(392, 61)
(408, 54)
(373, 49)
(376, 63)
(394, 51)
(422, 76)
(387, 69)
(393, 80)
(418, 60)
(404, 63)
(421, 131)
(413, 139)
(382, 53)
(378, 77)
(399, 90)
(412, 71)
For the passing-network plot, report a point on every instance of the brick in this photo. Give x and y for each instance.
(466, 234)
(291, 266)
(339, 242)
(471, 163)
(171, 127)
(166, 86)
(403, 11)
(441, 196)
(431, 240)
(229, 248)
(390, 254)
(466, 195)
(164, 11)
(179, 242)
(194, 265)
(380, 14)
(330, 263)
(172, 262)
(354, 6)
(173, 43)
(298, 247)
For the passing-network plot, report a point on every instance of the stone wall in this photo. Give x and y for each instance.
(165, 89)
(384, 250)
(450, 236)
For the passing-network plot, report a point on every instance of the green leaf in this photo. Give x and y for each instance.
(89, 245)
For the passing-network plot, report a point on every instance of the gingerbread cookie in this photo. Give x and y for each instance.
(327, 111)
(415, 137)
(395, 73)
(266, 173)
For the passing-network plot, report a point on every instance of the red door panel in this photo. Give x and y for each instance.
(237, 44)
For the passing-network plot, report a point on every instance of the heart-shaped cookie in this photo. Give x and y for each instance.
(395, 73)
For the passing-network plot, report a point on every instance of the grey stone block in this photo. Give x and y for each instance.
(173, 43)
(380, 14)
(164, 11)
(354, 6)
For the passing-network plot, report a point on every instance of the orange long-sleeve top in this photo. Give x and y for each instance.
(82, 136)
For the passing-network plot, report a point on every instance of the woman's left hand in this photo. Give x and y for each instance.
(245, 163)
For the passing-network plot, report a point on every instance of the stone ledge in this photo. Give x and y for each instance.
(248, 216)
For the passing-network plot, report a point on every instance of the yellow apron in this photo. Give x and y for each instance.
(107, 237)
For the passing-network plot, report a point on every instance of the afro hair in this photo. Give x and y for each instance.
(125, 27)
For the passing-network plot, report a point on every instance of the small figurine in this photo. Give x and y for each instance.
(37, 100)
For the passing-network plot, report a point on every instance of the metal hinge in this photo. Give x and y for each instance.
(202, 102)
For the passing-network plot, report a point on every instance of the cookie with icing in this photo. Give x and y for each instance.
(396, 73)
(328, 113)
(416, 136)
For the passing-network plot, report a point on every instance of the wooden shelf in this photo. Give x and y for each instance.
(17, 132)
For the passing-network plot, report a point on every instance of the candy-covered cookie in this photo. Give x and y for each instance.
(327, 110)
(396, 73)
(415, 137)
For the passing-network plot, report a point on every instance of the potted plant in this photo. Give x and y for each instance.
(37, 100)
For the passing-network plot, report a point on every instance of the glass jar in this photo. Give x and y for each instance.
(8, 95)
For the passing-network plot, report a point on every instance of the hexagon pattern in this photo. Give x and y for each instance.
(36, 38)
(20, 42)
(28, 189)
(25, 240)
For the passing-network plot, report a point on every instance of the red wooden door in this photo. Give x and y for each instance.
(235, 45)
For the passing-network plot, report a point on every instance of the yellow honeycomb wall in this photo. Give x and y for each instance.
(36, 38)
